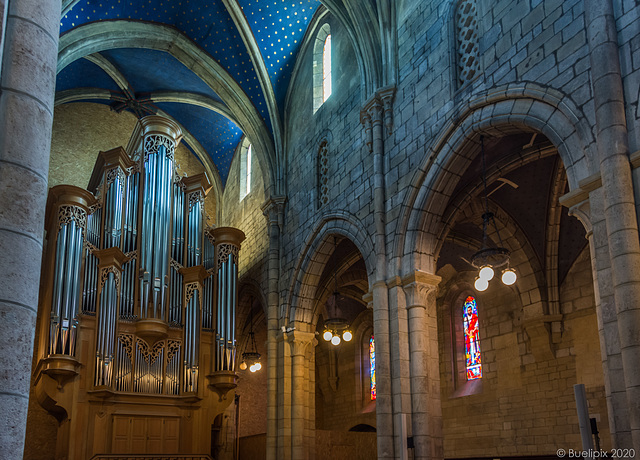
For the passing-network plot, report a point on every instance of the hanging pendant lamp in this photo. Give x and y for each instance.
(490, 258)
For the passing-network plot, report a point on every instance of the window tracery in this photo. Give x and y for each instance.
(466, 30)
(323, 174)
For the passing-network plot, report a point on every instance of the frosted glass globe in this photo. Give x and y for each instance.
(486, 273)
(509, 276)
(335, 340)
(327, 335)
(347, 336)
(243, 366)
(481, 284)
(257, 366)
(252, 368)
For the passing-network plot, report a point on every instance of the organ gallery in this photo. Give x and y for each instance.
(136, 347)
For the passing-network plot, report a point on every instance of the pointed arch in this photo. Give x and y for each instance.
(317, 249)
(526, 107)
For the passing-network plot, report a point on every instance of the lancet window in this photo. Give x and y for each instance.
(322, 81)
(372, 367)
(471, 339)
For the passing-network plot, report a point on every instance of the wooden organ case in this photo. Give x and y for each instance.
(136, 344)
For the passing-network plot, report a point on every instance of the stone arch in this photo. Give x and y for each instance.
(505, 110)
(104, 35)
(315, 254)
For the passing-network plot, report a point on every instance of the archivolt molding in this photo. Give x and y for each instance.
(100, 36)
(316, 251)
(500, 111)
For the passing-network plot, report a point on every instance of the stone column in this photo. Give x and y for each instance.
(300, 342)
(426, 415)
(273, 210)
(371, 117)
(591, 214)
(619, 202)
(29, 58)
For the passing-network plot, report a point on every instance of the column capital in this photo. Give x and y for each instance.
(372, 110)
(300, 341)
(387, 96)
(273, 210)
(418, 287)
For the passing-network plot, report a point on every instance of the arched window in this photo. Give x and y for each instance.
(372, 366)
(466, 28)
(326, 69)
(471, 339)
(245, 171)
(322, 67)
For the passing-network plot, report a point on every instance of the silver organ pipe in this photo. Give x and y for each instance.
(67, 211)
(227, 244)
(158, 170)
(209, 266)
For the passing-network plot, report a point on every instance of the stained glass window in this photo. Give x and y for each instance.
(372, 366)
(471, 339)
(326, 69)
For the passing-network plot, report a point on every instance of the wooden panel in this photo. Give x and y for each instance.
(138, 435)
(154, 435)
(171, 436)
(121, 443)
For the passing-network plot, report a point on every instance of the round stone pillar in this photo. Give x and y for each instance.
(28, 71)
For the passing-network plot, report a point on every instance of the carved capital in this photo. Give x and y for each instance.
(420, 289)
(582, 212)
(273, 210)
(387, 96)
(301, 342)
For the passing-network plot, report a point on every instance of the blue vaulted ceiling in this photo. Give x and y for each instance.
(273, 27)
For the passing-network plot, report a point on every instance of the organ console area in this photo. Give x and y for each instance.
(135, 345)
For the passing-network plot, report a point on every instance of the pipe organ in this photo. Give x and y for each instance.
(139, 297)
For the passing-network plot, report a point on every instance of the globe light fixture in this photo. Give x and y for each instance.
(509, 276)
(335, 340)
(481, 284)
(486, 273)
(347, 336)
(327, 335)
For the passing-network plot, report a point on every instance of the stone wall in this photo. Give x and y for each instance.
(246, 215)
(524, 404)
(350, 188)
